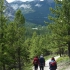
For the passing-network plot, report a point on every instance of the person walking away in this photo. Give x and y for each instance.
(36, 62)
(52, 64)
(41, 62)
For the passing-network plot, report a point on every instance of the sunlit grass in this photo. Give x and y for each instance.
(63, 59)
(50, 56)
(63, 62)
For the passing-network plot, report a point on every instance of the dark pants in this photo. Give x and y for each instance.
(35, 67)
(41, 67)
(52, 69)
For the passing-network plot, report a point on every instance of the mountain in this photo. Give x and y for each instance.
(9, 11)
(34, 11)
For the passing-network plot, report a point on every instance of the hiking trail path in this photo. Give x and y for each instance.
(47, 63)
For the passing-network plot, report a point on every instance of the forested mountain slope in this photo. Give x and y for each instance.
(35, 11)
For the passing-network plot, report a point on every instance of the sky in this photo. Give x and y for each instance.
(17, 0)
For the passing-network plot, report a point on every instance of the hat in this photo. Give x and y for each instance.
(41, 55)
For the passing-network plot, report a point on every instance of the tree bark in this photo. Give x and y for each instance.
(69, 49)
(4, 66)
(19, 58)
(69, 42)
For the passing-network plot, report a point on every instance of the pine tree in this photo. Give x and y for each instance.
(19, 21)
(2, 33)
(66, 19)
(59, 26)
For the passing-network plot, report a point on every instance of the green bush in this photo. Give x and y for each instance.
(63, 59)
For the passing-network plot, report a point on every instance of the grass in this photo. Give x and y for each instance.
(50, 56)
(63, 62)
(64, 59)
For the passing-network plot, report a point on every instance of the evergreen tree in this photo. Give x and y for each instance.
(15, 41)
(60, 24)
(3, 40)
(66, 20)
(19, 21)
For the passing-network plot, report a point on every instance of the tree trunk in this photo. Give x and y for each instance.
(69, 42)
(19, 62)
(69, 49)
(4, 66)
(3, 57)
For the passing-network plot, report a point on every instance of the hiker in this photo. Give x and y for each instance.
(41, 62)
(36, 62)
(52, 64)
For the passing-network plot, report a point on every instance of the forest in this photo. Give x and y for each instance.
(19, 43)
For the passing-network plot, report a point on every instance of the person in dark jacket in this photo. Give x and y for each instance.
(41, 62)
(36, 62)
(52, 64)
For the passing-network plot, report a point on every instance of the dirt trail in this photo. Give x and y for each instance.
(47, 63)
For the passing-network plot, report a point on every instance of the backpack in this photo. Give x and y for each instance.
(42, 61)
(53, 63)
(35, 61)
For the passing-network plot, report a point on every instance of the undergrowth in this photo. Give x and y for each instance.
(50, 56)
(63, 62)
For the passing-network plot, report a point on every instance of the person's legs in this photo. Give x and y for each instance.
(42, 68)
(36, 67)
(52, 69)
